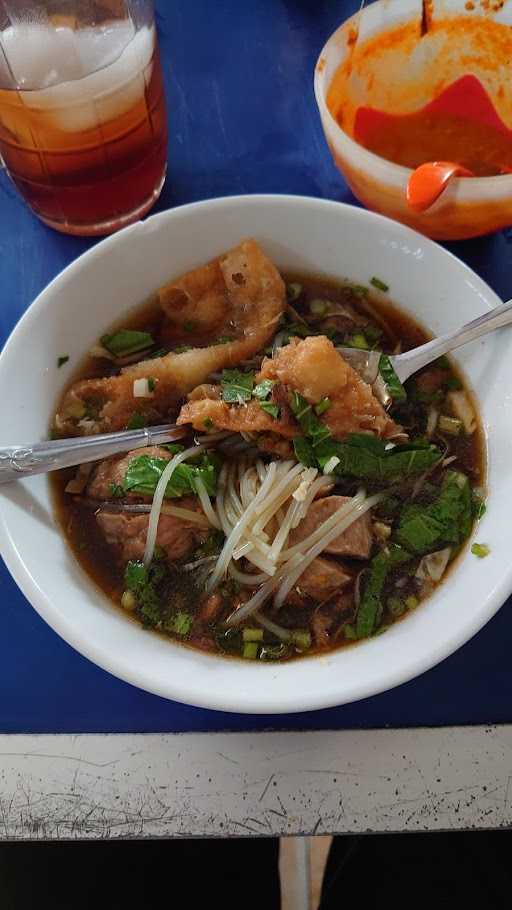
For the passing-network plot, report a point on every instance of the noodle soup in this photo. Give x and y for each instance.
(297, 513)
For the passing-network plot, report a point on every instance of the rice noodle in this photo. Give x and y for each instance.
(158, 498)
(236, 533)
(261, 596)
(270, 626)
(206, 505)
(245, 578)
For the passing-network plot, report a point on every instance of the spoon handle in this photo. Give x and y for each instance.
(22, 461)
(407, 364)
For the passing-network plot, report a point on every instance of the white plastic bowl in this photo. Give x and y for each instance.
(299, 234)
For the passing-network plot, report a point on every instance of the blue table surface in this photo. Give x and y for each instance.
(243, 119)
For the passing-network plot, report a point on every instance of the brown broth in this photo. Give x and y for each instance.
(78, 520)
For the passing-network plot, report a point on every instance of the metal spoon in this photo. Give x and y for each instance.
(367, 363)
(22, 461)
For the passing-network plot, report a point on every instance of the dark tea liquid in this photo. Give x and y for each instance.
(89, 155)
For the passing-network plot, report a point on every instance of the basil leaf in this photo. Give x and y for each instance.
(127, 341)
(263, 389)
(370, 460)
(447, 520)
(316, 431)
(237, 386)
(371, 606)
(269, 408)
(304, 452)
(144, 472)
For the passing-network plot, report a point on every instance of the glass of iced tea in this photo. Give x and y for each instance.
(83, 130)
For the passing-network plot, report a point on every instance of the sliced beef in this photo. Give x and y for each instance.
(128, 533)
(356, 541)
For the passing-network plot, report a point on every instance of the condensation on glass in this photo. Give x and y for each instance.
(83, 131)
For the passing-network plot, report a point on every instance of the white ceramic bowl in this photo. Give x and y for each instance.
(299, 234)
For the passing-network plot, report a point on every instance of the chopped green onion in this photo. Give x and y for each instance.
(380, 285)
(62, 360)
(481, 550)
(451, 425)
(269, 408)
(128, 601)
(411, 602)
(322, 406)
(319, 307)
(359, 341)
(250, 650)
(293, 291)
(75, 410)
(208, 423)
(237, 386)
(127, 341)
(252, 634)
(301, 638)
(396, 606)
(189, 326)
(136, 422)
(263, 389)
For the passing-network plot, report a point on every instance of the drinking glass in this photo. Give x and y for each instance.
(83, 130)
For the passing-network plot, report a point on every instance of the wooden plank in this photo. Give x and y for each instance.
(215, 785)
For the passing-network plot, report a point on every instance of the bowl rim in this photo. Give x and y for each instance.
(369, 158)
(182, 690)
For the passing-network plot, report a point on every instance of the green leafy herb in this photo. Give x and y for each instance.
(479, 506)
(453, 383)
(224, 339)
(62, 360)
(263, 389)
(304, 452)
(116, 491)
(237, 386)
(394, 386)
(127, 341)
(373, 333)
(481, 550)
(189, 326)
(370, 608)
(316, 431)
(447, 520)
(366, 457)
(144, 472)
(136, 422)
(269, 408)
(151, 384)
(173, 447)
(135, 576)
(380, 285)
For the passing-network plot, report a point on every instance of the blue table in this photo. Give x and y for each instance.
(242, 119)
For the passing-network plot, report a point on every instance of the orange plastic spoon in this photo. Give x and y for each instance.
(429, 180)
